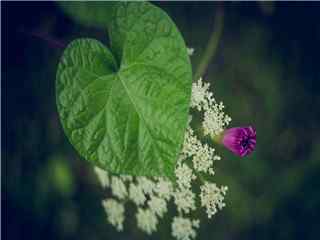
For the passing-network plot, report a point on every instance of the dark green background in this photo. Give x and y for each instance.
(265, 70)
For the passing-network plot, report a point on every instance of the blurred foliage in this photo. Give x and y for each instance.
(266, 72)
(89, 13)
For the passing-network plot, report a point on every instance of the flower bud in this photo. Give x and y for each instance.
(240, 140)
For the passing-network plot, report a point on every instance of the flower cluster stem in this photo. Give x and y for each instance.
(212, 44)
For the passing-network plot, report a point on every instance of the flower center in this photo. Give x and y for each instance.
(245, 143)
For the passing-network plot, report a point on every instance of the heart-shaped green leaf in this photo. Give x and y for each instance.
(127, 113)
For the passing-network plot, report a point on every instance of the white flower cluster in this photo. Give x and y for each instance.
(215, 120)
(183, 228)
(195, 164)
(212, 197)
(147, 220)
(115, 212)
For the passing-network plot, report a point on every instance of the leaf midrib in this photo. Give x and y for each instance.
(139, 114)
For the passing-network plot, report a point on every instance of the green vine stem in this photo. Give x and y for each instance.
(212, 44)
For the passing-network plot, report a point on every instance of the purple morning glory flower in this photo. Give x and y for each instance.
(240, 140)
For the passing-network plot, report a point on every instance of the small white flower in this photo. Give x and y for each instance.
(190, 51)
(214, 121)
(199, 94)
(146, 220)
(212, 197)
(164, 188)
(136, 194)
(103, 177)
(118, 187)
(158, 205)
(147, 185)
(185, 200)
(184, 228)
(191, 144)
(115, 213)
(184, 175)
(203, 159)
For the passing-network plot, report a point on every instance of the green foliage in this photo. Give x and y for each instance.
(127, 112)
(56, 177)
(91, 14)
